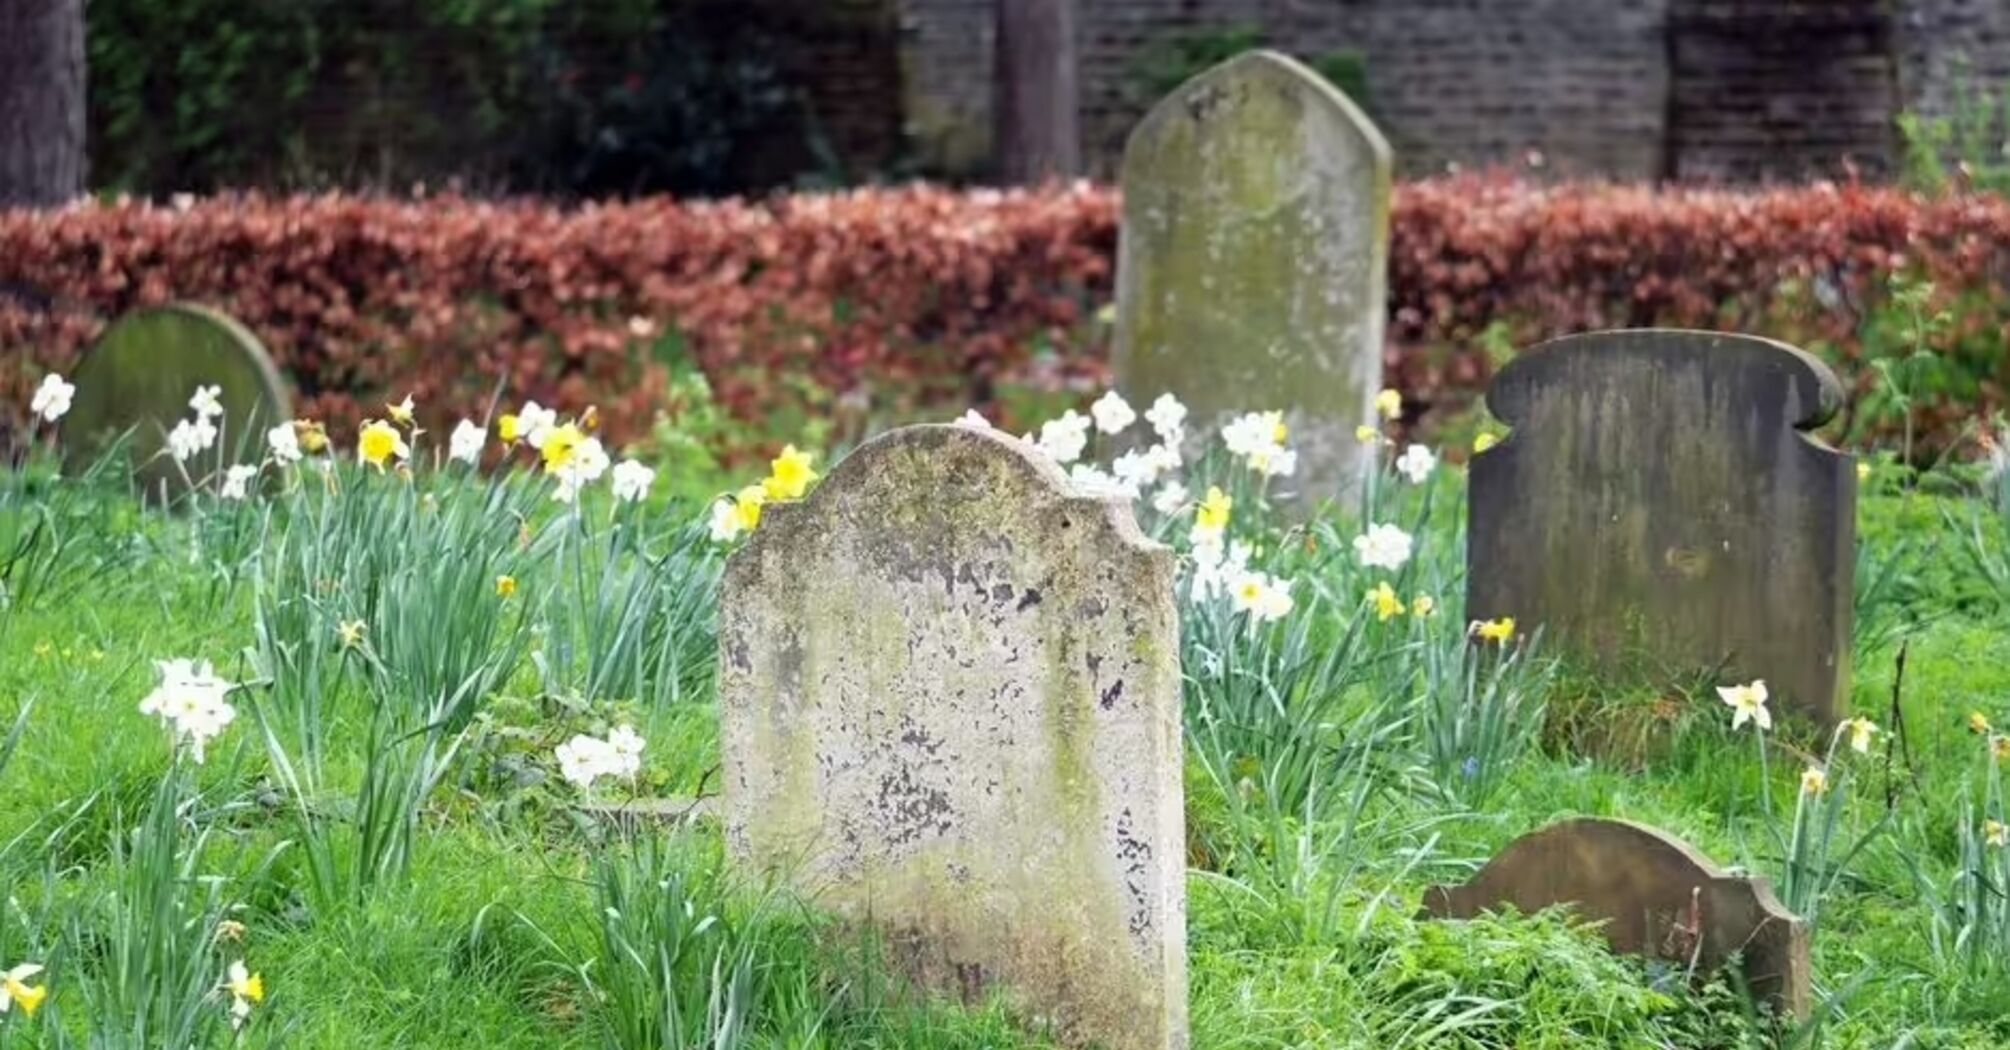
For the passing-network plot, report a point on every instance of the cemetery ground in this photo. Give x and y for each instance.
(391, 873)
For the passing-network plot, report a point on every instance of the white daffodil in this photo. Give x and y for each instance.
(583, 759)
(1216, 569)
(632, 481)
(1748, 704)
(190, 703)
(246, 990)
(1262, 596)
(1112, 413)
(535, 423)
(190, 438)
(1091, 480)
(585, 466)
(235, 481)
(973, 419)
(52, 399)
(465, 443)
(1383, 547)
(725, 521)
(284, 442)
(1168, 419)
(1416, 464)
(1136, 469)
(1861, 730)
(206, 403)
(1169, 498)
(1064, 439)
(14, 989)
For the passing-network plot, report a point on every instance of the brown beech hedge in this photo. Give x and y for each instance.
(926, 299)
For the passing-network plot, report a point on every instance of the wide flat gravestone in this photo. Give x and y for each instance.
(1658, 508)
(140, 375)
(949, 693)
(1253, 261)
(1654, 895)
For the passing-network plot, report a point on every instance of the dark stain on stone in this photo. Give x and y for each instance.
(1113, 694)
(1029, 599)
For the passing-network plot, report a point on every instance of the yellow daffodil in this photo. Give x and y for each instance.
(379, 443)
(1863, 472)
(1389, 403)
(401, 413)
(311, 436)
(1367, 435)
(1978, 723)
(1278, 431)
(747, 506)
(14, 989)
(560, 446)
(1387, 605)
(505, 586)
(509, 428)
(1485, 441)
(1995, 833)
(1212, 515)
(1860, 732)
(246, 989)
(351, 633)
(1814, 781)
(791, 475)
(1499, 632)
(1999, 747)
(1424, 605)
(1748, 703)
(246, 985)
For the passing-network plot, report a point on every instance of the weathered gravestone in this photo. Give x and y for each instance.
(1659, 507)
(1253, 261)
(140, 375)
(949, 692)
(1654, 895)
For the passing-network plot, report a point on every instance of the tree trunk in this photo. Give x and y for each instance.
(1035, 105)
(41, 101)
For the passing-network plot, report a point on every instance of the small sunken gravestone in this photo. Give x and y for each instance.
(1654, 895)
(949, 702)
(140, 375)
(1253, 260)
(1659, 507)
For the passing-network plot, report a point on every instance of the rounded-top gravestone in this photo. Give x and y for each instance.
(141, 373)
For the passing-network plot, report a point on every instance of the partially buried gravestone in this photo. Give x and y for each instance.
(1659, 507)
(141, 373)
(949, 703)
(1254, 255)
(1653, 895)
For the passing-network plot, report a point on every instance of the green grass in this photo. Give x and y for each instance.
(1314, 830)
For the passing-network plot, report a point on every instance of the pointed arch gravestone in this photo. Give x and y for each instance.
(141, 372)
(949, 706)
(1659, 507)
(1253, 262)
(1654, 896)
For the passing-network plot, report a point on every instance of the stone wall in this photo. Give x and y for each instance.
(1717, 89)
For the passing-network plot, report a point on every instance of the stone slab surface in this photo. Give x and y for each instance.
(950, 706)
(1659, 508)
(1253, 264)
(1654, 895)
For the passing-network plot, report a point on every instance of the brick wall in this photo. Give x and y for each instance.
(1948, 47)
(1717, 89)
(1781, 88)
